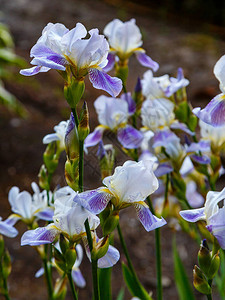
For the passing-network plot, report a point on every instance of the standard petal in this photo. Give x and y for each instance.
(219, 71)
(193, 215)
(103, 81)
(34, 70)
(95, 137)
(78, 278)
(97, 199)
(110, 258)
(129, 137)
(40, 236)
(146, 61)
(147, 219)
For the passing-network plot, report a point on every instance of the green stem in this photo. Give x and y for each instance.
(123, 244)
(158, 247)
(72, 287)
(94, 264)
(209, 296)
(48, 279)
(81, 165)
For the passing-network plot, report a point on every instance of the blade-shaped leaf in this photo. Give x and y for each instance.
(134, 286)
(183, 285)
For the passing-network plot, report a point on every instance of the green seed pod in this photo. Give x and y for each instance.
(70, 258)
(74, 91)
(204, 257)
(83, 127)
(100, 248)
(214, 267)
(72, 174)
(43, 178)
(6, 264)
(110, 223)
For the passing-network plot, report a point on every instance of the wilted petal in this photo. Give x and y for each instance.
(146, 61)
(95, 137)
(110, 258)
(147, 219)
(40, 236)
(34, 70)
(193, 215)
(78, 278)
(214, 112)
(129, 137)
(103, 81)
(97, 199)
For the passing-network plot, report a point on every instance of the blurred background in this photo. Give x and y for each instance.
(188, 34)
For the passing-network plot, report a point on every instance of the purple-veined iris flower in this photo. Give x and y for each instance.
(58, 136)
(130, 185)
(60, 48)
(29, 207)
(214, 112)
(69, 217)
(212, 213)
(159, 114)
(6, 227)
(113, 114)
(163, 86)
(125, 39)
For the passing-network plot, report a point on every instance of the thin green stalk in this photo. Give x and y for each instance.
(124, 246)
(81, 165)
(158, 248)
(94, 264)
(72, 287)
(75, 116)
(48, 279)
(209, 296)
(5, 287)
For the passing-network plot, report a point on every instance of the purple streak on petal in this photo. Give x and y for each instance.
(129, 137)
(12, 219)
(71, 125)
(219, 232)
(33, 71)
(7, 230)
(163, 137)
(46, 214)
(131, 104)
(138, 87)
(101, 80)
(39, 236)
(40, 61)
(163, 169)
(101, 153)
(193, 215)
(110, 258)
(40, 50)
(147, 219)
(201, 159)
(97, 200)
(78, 278)
(203, 146)
(181, 126)
(94, 138)
(111, 62)
(214, 112)
(146, 61)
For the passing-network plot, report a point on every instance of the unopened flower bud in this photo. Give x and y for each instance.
(6, 264)
(83, 127)
(72, 173)
(200, 281)
(72, 140)
(100, 248)
(110, 223)
(137, 96)
(2, 246)
(70, 258)
(73, 92)
(43, 178)
(204, 257)
(106, 155)
(63, 243)
(49, 157)
(214, 267)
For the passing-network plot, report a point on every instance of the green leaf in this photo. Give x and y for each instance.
(105, 283)
(183, 285)
(134, 286)
(120, 295)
